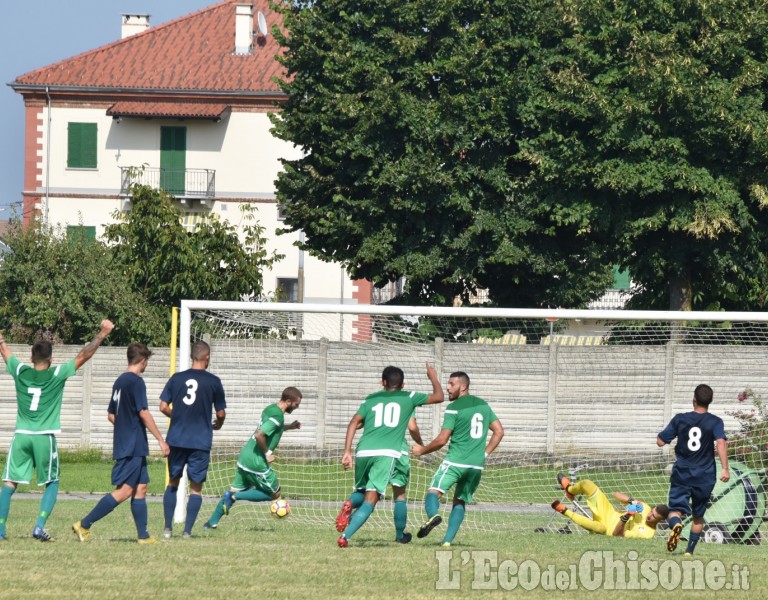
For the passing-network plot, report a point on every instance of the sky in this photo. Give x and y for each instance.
(37, 33)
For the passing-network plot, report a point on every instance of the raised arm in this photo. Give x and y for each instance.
(437, 395)
(90, 348)
(5, 351)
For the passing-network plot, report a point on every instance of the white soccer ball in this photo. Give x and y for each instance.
(280, 508)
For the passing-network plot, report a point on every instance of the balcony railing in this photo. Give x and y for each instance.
(181, 183)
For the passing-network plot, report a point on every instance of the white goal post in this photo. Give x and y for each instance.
(571, 388)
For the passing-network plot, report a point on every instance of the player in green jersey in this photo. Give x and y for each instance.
(384, 417)
(39, 393)
(255, 481)
(465, 424)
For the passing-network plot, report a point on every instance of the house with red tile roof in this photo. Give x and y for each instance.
(181, 106)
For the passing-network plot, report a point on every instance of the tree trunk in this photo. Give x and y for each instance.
(680, 293)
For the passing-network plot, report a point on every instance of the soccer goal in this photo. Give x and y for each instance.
(574, 389)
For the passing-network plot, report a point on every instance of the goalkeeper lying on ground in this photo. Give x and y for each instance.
(639, 520)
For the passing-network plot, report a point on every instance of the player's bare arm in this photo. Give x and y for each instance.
(722, 453)
(497, 433)
(5, 350)
(149, 422)
(660, 442)
(165, 408)
(354, 423)
(441, 440)
(220, 415)
(437, 394)
(413, 429)
(90, 348)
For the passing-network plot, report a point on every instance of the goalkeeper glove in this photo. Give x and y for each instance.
(634, 508)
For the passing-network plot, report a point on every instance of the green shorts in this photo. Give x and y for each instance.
(402, 472)
(465, 479)
(29, 453)
(374, 472)
(265, 481)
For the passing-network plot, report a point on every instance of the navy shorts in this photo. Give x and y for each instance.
(131, 470)
(690, 492)
(196, 462)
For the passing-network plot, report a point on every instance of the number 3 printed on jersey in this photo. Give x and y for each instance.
(191, 396)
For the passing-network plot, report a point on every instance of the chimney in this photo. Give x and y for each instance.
(133, 24)
(243, 28)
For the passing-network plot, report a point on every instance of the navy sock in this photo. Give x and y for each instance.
(193, 507)
(103, 507)
(139, 512)
(693, 539)
(169, 505)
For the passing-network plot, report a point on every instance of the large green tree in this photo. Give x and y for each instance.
(408, 116)
(62, 287)
(527, 146)
(655, 113)
(168, 263)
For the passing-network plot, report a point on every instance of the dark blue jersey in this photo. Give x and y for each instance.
(696, 434)
(194, 393)
(129, 397)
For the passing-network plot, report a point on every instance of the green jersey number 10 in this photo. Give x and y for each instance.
(386, 414)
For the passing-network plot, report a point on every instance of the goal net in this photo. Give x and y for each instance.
(580, 392)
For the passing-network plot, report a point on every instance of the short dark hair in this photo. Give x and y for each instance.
(137, 352)
(200, 350)
(42, 350)
(394, 377)
(291, 393)
(460, 375)
(663, 510)
(703, 395)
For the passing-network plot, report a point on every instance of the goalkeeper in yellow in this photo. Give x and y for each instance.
(638, 521)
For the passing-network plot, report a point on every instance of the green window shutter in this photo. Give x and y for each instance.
(81, 232)
(81, 145)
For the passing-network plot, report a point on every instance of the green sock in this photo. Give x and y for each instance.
(47, 502)
(5, 506)
(357, 499)
(431, 504)
(401, 518)
(218, 512)
(454, 522)
(358, 519)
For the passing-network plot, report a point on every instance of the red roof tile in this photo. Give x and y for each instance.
(176, 110)
(194, 53)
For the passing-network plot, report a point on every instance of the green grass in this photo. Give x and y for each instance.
(257, 556)
(286, 559)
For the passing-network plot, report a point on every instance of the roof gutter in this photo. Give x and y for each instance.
(23, 87)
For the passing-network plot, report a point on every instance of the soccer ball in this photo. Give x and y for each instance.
(280, 508)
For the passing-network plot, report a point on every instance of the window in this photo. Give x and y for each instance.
(287, 289)
(281, 211)
(80, 232)
(81, 146)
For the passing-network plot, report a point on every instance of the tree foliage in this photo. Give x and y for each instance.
(63, 287)
(655, 113)
(526, 147)
(167, 263)
(409, 118)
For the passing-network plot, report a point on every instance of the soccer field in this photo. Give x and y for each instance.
(285, 559)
